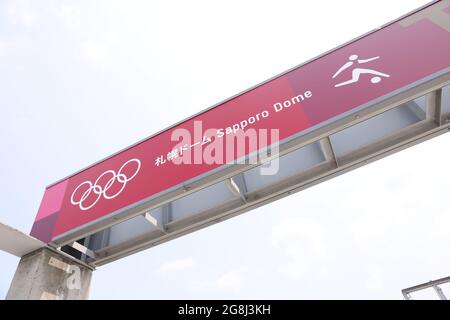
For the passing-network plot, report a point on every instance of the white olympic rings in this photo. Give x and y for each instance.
(100, 191)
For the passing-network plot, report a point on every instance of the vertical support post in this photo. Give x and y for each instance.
(328, 151)
(48, 275)
(434, 106)
(406, 295)
(440, 293)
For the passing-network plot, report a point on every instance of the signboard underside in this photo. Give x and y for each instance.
(374, 96)
(301, 165)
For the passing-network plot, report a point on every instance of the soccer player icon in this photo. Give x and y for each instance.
(357, 72)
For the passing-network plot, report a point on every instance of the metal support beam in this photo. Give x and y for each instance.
(234, 188)
(158, 222)
(407, 137)
(328, 151)
(431, 284)
(166, 215)
(244, 183)
(440, 293)
(434, 106)
(16, 242)
(406, 296)
(84, 250)
(416, 109)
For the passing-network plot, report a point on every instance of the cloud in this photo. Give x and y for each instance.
(10, 46)
(19, 12)
(372, 225)
(2, 47)
(231, 280)
(302, 241)
(404, 201)
(96, 53)
(374, 278)
(178, 265)
(20, 67)
(70, 15)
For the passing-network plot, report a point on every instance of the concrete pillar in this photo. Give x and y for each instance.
(48, 275)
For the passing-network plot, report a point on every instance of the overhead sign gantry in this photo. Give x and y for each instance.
(373, 96)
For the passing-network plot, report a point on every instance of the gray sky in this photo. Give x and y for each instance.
(80, 80)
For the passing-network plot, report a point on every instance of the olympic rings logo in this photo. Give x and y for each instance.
(87, 194)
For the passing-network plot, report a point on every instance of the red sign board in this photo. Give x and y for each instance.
(371, 67)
